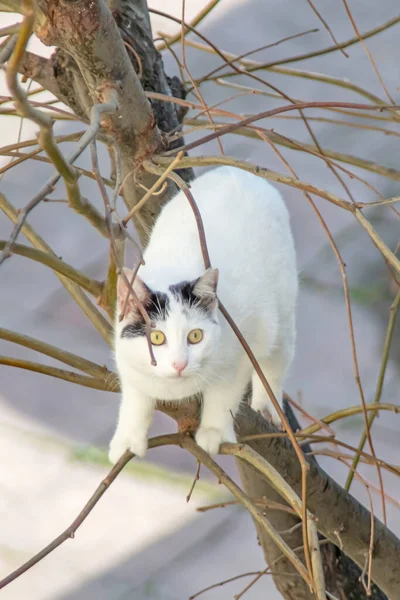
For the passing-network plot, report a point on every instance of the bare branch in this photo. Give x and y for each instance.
(67, 358)
(341, 518)
(84, 380)
(385, 357)
(50, 260)
(69, 533)
(347, 44)
(80, 298)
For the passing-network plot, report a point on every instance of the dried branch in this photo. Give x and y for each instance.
(84, 380)
(385, 357)
(56, 264)
(347, 44)
(195, 21)
(364, 45)
(67, 358)
(247, 454)
(75, 201)
(275, 137)
(207, 161)
(257, 514)
(387, 253)
(77, 294)
(25, 109)
(69, 533)
(325, 24)
(349, 412)
(341, 518)
(231, 127)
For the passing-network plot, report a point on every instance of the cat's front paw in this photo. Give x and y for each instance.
(135, 443)
(209, 439)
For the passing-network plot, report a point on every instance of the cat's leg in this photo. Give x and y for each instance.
(260, 401)
(135, 415)
(274, 368)
(220, 404)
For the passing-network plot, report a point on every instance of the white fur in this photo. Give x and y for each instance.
(250, 242)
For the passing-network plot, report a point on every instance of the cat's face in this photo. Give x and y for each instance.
(184, 330)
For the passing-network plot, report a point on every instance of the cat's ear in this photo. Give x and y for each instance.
(205, 288)
(125, 301)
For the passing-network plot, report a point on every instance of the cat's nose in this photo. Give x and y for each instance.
(179, 365)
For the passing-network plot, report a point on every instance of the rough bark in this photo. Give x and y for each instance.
(91, 58)
(341, 519)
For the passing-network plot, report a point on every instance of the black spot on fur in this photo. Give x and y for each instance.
(134, 330)
(157, 307)
(183, 291)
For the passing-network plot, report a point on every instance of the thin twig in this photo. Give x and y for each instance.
(325, 24)
(257, 514)
(195, 21)
(364, 45)
(153, 188)
(385, 357)
(69, 533)
(67, 358)
(84, 380)
(195, 480)
(92, 313)
(116, 252)
(56, 264)
(75, 200)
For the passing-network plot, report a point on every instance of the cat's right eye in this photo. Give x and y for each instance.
(157, 338)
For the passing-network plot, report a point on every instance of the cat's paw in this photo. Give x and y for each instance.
(135, 443)
(209, 439)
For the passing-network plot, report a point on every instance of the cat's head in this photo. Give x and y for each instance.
(184, 326)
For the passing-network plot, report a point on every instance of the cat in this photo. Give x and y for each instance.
(250, 242)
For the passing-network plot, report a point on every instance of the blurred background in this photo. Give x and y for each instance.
(144, 540)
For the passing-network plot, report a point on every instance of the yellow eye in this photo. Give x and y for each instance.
(157, 338)
(195, 336)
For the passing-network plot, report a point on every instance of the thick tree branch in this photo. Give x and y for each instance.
(341, 518)
(82, 27)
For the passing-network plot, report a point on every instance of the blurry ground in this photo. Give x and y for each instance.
(143, 540)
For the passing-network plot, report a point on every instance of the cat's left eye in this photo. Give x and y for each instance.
(157, 338)
(195, 336)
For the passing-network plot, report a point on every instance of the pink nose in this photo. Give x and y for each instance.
(180, 365)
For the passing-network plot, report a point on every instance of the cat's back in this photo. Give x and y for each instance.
(244, 217)
(228, 199)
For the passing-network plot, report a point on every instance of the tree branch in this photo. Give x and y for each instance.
(92, 313)
(341, 518)
(56, 264)
(84, 380)
(67, 358)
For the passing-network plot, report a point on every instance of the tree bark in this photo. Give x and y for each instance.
(341, 519)
(91, 59)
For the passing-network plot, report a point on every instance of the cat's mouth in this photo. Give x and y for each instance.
(178, 376)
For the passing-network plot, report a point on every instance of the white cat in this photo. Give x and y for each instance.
(249, 239)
